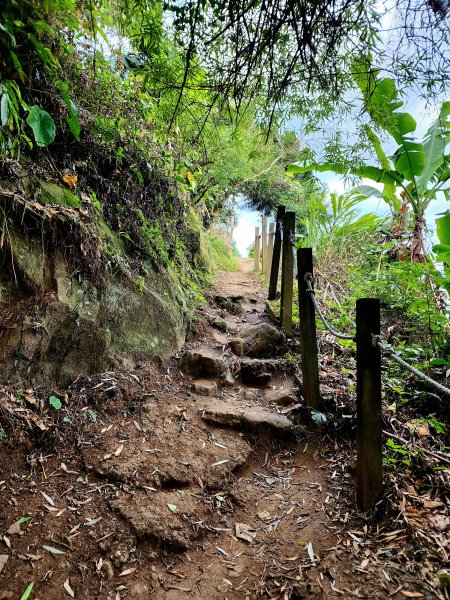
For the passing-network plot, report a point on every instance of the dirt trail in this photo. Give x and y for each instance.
(172, 486)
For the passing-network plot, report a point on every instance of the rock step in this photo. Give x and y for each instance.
(237, 416)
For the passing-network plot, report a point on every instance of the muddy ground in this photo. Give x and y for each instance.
(149, 483)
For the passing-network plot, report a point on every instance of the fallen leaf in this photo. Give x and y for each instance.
(53, 550)
(48, 498)
(245, 532)
(264, 515)
(412, 594)
(181, 407)
(14, 528)
(221, 462)
(172, 507)
(91, 522)
(432, 504)
(127, 572)
(419, 428)
(119, 450)
(70, 179)
(68, 589)
(439, 522)
(310, 550)
(3, 560)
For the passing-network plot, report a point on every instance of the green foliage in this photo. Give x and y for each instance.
(396, 453)
(27, 592)
(335, 226)
(411, 290)
(221, 255)
(420, 169)
(43, 126)
(51, 193)
(155, 242)
(55, 402)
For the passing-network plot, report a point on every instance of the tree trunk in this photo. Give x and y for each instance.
(417, 250)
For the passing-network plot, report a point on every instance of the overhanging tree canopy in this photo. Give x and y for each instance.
(285, 50)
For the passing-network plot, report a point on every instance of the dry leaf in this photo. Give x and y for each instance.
(68, 589)
(70, 179)
(119, 450)
(181, 407)
(439, 522)
(245, 532)
(3, 560)
(48, 498)
(412, 594)
(127, 572)
(14, 528)
(420, 429)
(221, 462)
(432, 504)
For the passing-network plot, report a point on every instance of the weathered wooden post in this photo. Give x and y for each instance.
(269, 251)
(287, 272)
(257, 249)
(276, 254)
(369, 443)
(264, 244)
(308, 337)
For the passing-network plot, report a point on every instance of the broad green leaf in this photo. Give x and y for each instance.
(405, 123)
(55, 402)
(409, 160)
(172, 507)
(435, 142)
(24, 519)
(43, 126)
(443, 229)
(4, 109)
(368, 190)
(366, 171)
(52, 193)
(17, 64)
(72, 119)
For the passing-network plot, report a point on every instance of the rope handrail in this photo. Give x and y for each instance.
(387, 349)
(311, 292)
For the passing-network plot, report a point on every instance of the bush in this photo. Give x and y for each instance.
(222, 257)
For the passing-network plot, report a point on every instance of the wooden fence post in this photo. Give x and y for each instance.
(256, 249)
(308, 337)
(276, 253)
(264, 244)
(287, 273)
(269, 251)
(369, 443)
